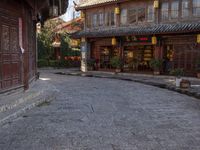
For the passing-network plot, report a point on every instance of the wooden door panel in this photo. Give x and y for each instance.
(7, 71)
(15, 70)
(10, 62)
(7, 84)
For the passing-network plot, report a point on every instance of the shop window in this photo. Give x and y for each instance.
(196, 7)
(101, 19)
(185, 8)
(174, 9)
(132, 15)
(141, 14)
(150, 13)
(123, 17)
(165, 11)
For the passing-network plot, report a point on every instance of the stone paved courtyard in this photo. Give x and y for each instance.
(106, 114)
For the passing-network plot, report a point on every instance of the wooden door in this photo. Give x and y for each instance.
(10, 62)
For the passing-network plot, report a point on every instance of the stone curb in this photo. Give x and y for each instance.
(18, 102)
(37, 101)
(160, 85)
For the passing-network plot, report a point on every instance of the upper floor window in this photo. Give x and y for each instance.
(150, 13)
(196, 7)
(107, 18)
(94, 20)
(185, 8)
(123, 16)
(141, 14)
(132, 15)
(110, 18)
(174, 9)
(101, 19)
(113, 18)
(165, 11)
(88, 20)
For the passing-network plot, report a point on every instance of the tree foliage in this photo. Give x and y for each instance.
(46, 38)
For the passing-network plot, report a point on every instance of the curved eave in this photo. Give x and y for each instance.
(77, 8)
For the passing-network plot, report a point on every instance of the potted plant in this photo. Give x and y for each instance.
(178, 73)
(198, 68)
(116, 63)
(91, 64)
(156, 64)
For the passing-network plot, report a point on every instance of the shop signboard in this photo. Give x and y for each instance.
(133, 40)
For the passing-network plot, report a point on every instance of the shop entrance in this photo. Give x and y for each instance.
(106, 53)
(136, 58)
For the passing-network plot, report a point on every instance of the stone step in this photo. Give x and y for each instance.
(11, 114)
(8, 102)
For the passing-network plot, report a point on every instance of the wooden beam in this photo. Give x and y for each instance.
(31, 3)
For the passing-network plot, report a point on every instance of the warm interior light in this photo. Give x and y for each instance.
(83, 39)
(198, 38)
(114, 41)
(154, 40)
(156, 4)
(117, 10)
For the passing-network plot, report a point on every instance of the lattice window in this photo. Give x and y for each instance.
(14, 39)
(196, 7)
(113, 18)
(123, 17)
(165, 11)
(94, 20)
(101, 19)
(150, 13)
(141, 14)
(175, 9)
(5, 38)
(132, 15)
(107, 18)
(88, 21)
(185, 8)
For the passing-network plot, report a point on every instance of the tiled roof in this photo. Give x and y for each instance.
(88, 3)
(156, 29)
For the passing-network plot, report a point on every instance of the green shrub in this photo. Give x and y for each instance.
(116, 62)
(91, 62)
(156, 63)
(54, 63)
(178, 72)
(42, 63)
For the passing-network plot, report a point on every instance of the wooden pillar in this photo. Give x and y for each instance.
(157, 52)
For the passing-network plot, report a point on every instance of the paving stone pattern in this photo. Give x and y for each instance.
(106, 114)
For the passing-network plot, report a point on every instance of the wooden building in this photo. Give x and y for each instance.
(69, 28)
(18, 20)
(139, 31)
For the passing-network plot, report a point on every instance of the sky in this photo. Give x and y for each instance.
(70, 11)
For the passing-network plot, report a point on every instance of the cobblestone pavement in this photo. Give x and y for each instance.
(106, 114)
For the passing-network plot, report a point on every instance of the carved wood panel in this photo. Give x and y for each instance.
(10, 62)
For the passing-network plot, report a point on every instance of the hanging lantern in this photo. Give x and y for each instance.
(117, 10)
(82, 14)
(114, 41)
(154, 40)
(198, 38)
(156, 4)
